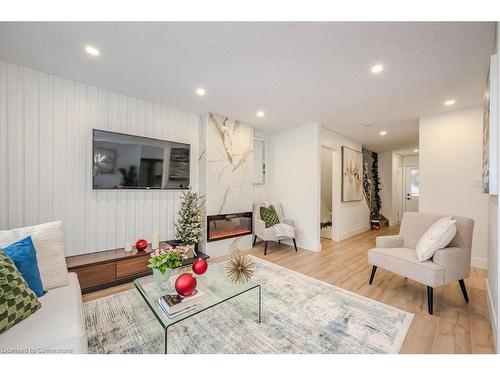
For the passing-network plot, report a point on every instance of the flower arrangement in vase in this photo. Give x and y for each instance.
(164, 260)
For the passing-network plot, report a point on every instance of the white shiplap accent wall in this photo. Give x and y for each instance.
(45, 160)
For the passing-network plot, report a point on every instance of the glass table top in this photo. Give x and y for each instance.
(214, 284)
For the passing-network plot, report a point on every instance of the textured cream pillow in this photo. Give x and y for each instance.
(438, 236)
(48, 240)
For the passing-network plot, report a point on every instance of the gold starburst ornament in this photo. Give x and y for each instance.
(240, 268)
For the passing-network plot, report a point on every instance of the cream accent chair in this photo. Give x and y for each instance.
(397, 254)
(267, 234)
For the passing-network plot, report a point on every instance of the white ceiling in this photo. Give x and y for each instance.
(298, 73)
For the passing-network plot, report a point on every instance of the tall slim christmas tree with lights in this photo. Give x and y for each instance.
(188, 228)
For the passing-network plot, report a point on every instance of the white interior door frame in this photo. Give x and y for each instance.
(335, 193)
(408, 204)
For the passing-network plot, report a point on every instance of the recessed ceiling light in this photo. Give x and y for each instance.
(367, 125)
(376, 69)
(415, 150)
(200, 91)
(92, 50)
(450, 102)
(383, 132)
(260, 114)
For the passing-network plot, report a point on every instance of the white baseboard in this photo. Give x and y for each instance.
(300, 244)
(493, 317)
(479, 263)
(354, 232)
(393, 223)
(304, 245)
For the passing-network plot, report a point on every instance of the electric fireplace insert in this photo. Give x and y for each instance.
(220, 227)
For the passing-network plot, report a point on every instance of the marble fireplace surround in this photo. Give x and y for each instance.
(226, 174)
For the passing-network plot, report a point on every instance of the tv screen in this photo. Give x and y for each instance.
(122, 161)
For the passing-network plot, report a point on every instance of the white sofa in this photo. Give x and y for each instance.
(59, 325)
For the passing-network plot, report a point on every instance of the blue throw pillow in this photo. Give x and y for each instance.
(23, 255)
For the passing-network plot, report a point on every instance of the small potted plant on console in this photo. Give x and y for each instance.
(164, 260)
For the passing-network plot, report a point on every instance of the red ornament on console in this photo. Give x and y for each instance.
(199, 266)
(185, 284)
(141, 245)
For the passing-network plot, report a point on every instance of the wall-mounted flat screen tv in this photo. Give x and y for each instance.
(123, 161)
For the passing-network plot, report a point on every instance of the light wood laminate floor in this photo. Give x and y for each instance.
(455, 327)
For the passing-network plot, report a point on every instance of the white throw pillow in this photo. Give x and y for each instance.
(438, 236)
(48, 240)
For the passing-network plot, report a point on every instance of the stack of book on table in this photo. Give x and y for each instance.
(175, 304)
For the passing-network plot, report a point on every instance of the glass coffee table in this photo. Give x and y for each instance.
(214, 284)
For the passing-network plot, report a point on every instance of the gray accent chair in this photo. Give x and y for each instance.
(397, 254)
(267, 234)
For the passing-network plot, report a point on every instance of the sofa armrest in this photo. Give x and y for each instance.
(455, 261)
(288, 222)
(258, 227)
(389, 241)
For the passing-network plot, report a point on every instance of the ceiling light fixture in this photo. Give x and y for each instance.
(92, 51)
(260, 114)
(200, 91)
(376, 69)
(415, 150)
(450, 102)
(383, 132)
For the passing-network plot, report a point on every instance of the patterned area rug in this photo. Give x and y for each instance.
(299, 315)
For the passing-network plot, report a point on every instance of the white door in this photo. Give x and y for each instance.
(412, 189)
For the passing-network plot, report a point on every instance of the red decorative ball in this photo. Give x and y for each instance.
(199, 266)
(141, 244)
(185, 284)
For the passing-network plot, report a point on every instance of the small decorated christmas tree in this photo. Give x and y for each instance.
(377, 201)
(188, 228)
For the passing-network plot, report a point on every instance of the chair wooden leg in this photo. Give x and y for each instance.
(295, 244)
(372, 276)
(254, 240)
(464, 291)
(430, 299)
(265, 247)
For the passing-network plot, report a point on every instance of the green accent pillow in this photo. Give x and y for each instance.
(17, 300)
(269, 215)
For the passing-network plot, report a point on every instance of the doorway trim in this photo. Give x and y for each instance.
(335, 192)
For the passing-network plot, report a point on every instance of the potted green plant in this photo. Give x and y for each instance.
(164, 260)
(189, 226)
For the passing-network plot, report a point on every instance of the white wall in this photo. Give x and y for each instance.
(390, 173)
(46, 164)
(294, 170)
(326, 184)
(492, 281)
(451, 172)
(326, 208)
(385, 166)
(351, 218)
(397, 188)
(410, 160)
